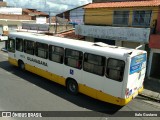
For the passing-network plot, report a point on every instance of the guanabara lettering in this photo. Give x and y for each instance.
(37, 61)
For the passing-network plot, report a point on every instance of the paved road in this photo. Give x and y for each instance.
(24, 91)
(2, 44)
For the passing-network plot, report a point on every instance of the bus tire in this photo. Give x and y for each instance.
(72, 87)
(21, 65)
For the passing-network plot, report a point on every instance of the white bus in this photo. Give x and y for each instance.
(107, 73)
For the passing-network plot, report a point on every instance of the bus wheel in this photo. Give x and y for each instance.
(21, 65)
(72, 87)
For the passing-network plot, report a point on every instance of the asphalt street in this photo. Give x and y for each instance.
(24, 91)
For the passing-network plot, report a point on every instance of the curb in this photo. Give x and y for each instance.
(150, 97)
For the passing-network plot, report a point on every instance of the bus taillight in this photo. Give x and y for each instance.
(127, 92)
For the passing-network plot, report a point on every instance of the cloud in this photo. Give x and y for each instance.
(54, 6)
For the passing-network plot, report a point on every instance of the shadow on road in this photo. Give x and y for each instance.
(56, 89)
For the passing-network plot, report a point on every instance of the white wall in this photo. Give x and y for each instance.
(114, 33)
(41, 20)
(5, 10)
(76, 16)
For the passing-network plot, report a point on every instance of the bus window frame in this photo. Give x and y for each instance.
(121, 77)
(16, 47)
(103, 66)
(25, 40)
(56, 53)
(42, 49)
(80, 60)
(9, 45)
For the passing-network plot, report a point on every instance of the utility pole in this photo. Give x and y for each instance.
(49, 17)
(56, 24)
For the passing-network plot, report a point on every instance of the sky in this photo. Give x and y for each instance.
(54, 6)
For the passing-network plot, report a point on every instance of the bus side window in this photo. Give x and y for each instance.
(42, 50)
(94, 64)
(19, 44)
(29, 47)
(115, 69)
(56, 54)
(11, 45)
(73, 58)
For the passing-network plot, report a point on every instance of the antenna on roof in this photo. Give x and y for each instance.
(139, 46)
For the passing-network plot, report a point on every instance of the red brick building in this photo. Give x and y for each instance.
(154, 60)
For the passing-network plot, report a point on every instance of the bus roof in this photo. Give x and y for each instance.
(101, 48)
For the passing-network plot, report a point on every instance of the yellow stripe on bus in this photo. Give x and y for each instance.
(82, 88)
(105, 97)
(13, 61)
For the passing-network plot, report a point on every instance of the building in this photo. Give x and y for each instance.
(126, 24)
(154, 64)
(2, 3)
(75, 16)
(154, 44)
(36, 15)
(12, 18)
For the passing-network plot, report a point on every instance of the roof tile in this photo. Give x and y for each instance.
(70, 34)
(124, 4)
